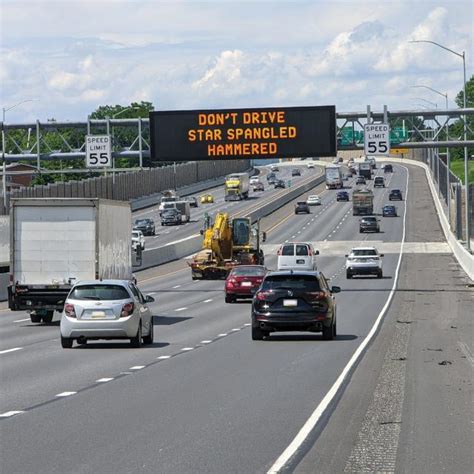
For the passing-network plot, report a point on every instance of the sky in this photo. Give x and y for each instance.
(71, 56)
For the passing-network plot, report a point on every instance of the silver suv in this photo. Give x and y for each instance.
(364, 261)
(107, 309)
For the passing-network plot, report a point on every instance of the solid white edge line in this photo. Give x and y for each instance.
(21, 320)
(11, 350)
(318, 412)
(10, 413)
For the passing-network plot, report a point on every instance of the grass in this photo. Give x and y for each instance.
(457, 167)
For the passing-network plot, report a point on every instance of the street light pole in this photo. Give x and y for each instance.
(448, 157)
(466, 176)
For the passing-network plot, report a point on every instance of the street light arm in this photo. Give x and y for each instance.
(424, 100)
(434, 90)
(19, 103)
(437, 44)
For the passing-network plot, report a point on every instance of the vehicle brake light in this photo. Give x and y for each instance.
(127, 310)
(279, 251)
(316, 295)
(70, 311)
(262, 295)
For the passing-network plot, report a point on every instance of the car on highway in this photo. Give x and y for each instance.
(258, 187)
(297, 256)
(274, 168)
(193, 202)
(207, 198)
(171, 217)
(146, 226)
(313, 200)
(364, 261)
(294, 301)
(243, 281)
(388, 169)
(360, 180)
(395, 195)
(254, 180)
(389, 211)
(279, 183)
(106, 309)
(310, 165)
(302, 207)
(379, 182)
(138, 240)
(342, 196)
(295, 172)
(369, 224)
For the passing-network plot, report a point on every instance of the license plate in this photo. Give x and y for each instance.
(247, 283)
(98, 315)
(290, 302)
(300, 261)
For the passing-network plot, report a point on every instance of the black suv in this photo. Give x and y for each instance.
(369, 224)
(388, 169)
(294, 301)
(342, 196)
(395, 195)
(279, 183)
(379, 182)
(301, 207)
(295, 172)
(147, 226)
(360, 180)
(171, 217)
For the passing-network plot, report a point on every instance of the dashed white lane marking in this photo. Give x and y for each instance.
(235, 329)
(21, 320)
(222, 335)
(176, 286)
(105, 379)
(187, 348)
(247, 324)
(181, 309)
(11, 350)
(207, 301)
(293, 236)
(66, 394)
(206, 341)
(10, 413)
(137, 367)
(163, 357)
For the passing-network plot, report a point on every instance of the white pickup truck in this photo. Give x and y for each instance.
(364, 261)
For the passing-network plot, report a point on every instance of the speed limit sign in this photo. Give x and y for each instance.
(98, 151)
(377, 139)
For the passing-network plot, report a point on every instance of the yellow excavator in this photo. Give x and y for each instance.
(227, 243)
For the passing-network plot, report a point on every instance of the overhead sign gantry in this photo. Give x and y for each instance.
(276, 132)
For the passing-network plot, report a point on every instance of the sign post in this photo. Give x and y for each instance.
(98, 151)
(377, 139)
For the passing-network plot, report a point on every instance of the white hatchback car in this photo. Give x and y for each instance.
(297, 256)
(138, 239)
(106, 309)
(313, 200)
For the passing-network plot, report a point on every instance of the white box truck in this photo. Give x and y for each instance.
(333, 177)
(55, 242)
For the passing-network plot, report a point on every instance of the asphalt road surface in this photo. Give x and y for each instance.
(206, 398)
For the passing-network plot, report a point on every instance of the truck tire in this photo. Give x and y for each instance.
(66, 342)
(35, 318)
(136, 341)
(48, 317)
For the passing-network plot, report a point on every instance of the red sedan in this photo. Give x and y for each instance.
(243, 282)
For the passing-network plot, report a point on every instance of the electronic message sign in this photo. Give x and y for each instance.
(276, 132)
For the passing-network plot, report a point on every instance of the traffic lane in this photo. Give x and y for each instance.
(205, 381)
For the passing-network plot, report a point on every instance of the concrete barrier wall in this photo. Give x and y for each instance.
(4, 241)
(4, 280)
(192, 244)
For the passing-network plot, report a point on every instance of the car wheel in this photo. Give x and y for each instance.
(66, 342)
(35, 318)
(149, 339)
(348, 275)
(230, 299)
(380, 274)
(257, 334)
(136, 341)
(328, 333)
(48, 317)
(335, 328)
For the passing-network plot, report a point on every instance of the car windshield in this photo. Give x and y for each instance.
(99, 292)
(170, 212)
(248, 271)
(291, 282)
(142, 221)
(301, 204)
(364, 252)
(135, 235)
(369, 219)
